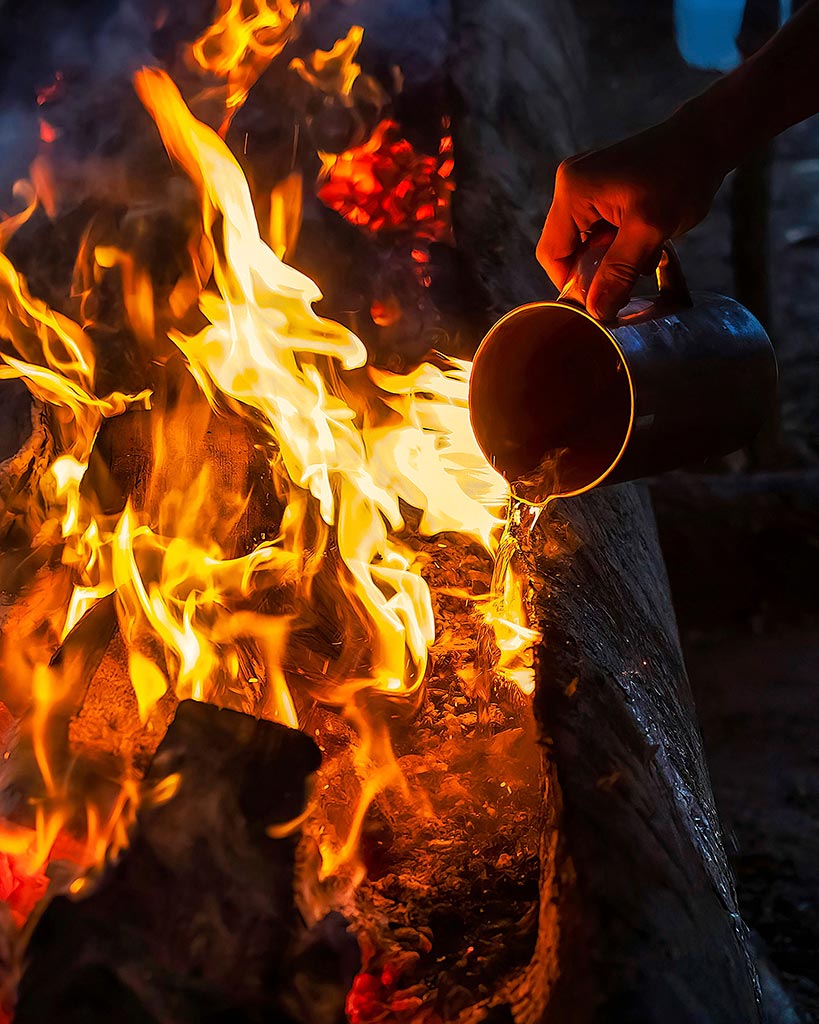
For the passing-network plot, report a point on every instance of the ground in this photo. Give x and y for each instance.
(754, 670)
(760, 727)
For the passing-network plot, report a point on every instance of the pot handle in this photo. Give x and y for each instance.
(672, 288)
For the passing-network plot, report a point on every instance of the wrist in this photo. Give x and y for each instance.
(712, 126)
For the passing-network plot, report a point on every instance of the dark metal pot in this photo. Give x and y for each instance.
(561, 402)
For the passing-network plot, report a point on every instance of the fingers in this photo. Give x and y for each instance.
(558, 243)
(634, 251)
(570, 215)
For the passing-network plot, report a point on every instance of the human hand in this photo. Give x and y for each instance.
(650, 187)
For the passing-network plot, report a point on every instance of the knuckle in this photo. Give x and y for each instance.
(652, 221)
(618, 272)
(565, 171)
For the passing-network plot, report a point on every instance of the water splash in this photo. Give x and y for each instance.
(506, 652)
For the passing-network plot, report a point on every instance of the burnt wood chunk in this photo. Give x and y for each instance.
(196, 920)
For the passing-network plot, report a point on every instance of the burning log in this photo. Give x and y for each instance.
(196, 921)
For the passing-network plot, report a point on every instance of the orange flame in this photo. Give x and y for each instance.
(242, 41)
(333, 71)
(349, 448)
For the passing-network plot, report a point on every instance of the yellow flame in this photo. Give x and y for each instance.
(240, 43)
(333, 71)
(54, 357)
(149, 683)
(349, 448)
(285, 215)
(266, 349)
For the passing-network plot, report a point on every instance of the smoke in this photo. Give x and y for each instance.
(79, 58)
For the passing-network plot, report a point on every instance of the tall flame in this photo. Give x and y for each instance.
(240, 43)
(266, 349)
(352, 453)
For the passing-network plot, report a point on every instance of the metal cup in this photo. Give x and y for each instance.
(561, 402)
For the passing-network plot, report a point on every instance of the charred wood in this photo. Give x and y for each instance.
(196, 920)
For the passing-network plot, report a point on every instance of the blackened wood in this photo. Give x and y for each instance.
(639, 923)
(196, 920)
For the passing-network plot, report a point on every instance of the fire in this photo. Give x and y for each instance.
(348, 449)
(266, 349)
(333, 71)
(54, 357)
(245, 37)
(385, 185)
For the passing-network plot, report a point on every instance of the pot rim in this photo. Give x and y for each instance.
(487, 344)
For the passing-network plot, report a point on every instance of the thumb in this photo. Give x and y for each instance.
(634, 251)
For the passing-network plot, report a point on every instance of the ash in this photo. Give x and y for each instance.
(447, 913)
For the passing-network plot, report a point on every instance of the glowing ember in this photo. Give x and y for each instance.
(386, 186)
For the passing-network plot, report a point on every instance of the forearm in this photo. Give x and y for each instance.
(776, 88)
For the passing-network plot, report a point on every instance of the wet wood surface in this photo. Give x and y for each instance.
(638, 912)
